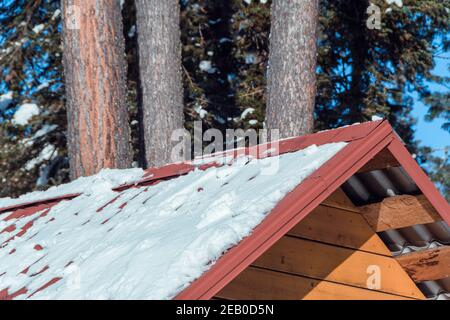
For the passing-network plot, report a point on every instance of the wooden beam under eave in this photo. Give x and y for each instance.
(427, 265)
(383, 160)
(399, 212)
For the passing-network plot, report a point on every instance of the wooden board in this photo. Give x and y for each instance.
(399, 212)
(340, 227)
(259, 284)
(341, 265)
(339, 199)
(383, 160)
(431, 264)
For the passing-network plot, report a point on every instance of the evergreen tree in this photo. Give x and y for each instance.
(291, 82)
(158, 32)
(33, 155)
(95, 69)
(225, 54)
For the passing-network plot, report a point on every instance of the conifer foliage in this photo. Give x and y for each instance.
(360, 72)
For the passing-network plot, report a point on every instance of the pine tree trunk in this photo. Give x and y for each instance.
(95, 72)
(292, 63)
(160, 76)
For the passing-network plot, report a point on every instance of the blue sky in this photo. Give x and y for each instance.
(430, 133)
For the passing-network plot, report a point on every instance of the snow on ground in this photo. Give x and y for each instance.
(24, 113)
(150, 242)
(105, 180)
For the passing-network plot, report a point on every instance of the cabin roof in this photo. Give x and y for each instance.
(186, 230)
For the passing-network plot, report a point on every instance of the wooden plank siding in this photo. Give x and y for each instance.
(336, 264)
(259, 284)
(340, 227)
(325, 256)
(399, 212)
(383, 160)
(339, 199)
(425, 265)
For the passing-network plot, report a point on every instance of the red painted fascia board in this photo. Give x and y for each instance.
(290, 211)
(49, 201)
(422, 181)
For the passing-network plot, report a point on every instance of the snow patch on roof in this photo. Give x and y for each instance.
(147, 242)
(105, 180)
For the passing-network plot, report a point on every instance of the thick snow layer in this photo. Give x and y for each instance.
(24, 113)
(147, 242)
(105, 180)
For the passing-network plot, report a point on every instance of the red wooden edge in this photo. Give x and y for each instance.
(40, 202)
(422, 181)
(290, 211)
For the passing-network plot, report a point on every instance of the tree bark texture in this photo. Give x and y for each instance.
(292, 64)
(158, 27)
(95, 76)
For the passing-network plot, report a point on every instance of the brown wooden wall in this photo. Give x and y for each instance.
(327, 256)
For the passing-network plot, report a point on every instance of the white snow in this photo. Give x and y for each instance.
(399, 3)
(253, 122)
(24, 113)
(201, 112)
(38, 28)
(105, 180)
(56, 14)
(250, 58)
(151, 242)
(376, 118)
(132, 31)
(42, 86)
(44, 155)
(246, 112)
(5, 100)
(206, 66)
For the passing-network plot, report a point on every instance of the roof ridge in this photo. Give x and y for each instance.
(285, 145)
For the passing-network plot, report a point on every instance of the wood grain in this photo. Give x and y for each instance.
(431, 264)
(399, 212)
(382, 160)
(340, 227)
(339, 199)
(259, 284)
(336, 264)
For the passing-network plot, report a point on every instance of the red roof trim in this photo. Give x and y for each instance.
(344, 134)
(425, 185)
(49, 201)
(292, 209)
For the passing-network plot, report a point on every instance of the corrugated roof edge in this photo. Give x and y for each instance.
(307, 196)
(152, 175)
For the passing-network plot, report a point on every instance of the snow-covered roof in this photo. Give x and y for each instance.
(184, 230)
(143, 242)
